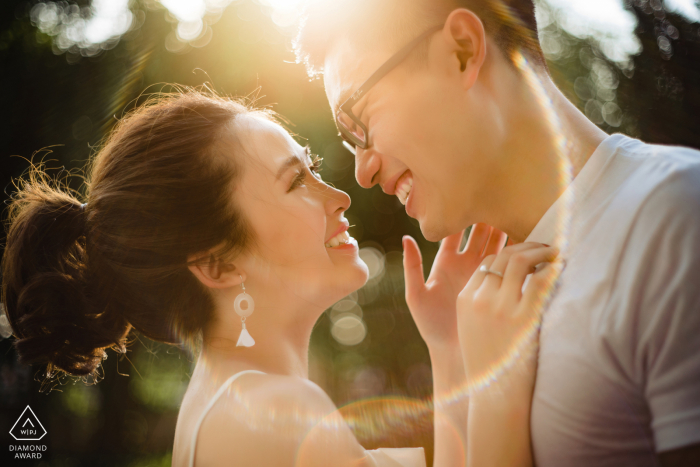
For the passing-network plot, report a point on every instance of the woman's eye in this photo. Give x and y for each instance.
(298, 181)
(300, 177)
(315, 168)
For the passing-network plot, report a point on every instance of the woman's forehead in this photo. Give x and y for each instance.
(265, 144)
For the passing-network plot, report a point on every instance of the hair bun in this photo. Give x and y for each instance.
(44, 283)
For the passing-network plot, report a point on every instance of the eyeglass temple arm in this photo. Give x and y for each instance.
(350, 148)
(388, 65)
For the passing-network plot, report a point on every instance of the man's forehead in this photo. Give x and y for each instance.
(345, 69)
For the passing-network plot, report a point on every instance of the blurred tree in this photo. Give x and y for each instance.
(663, 95)
(655, 96)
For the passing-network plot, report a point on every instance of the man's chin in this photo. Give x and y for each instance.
(434, 232)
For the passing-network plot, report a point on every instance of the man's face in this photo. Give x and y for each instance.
(429, 135)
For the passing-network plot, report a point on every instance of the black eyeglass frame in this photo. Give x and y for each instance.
(390, 64)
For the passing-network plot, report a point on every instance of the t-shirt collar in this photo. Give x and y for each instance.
(546, 229)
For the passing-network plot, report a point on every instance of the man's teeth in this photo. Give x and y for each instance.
(404, 190)
(339, 239)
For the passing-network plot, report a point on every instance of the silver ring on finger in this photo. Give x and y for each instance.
(488, 271)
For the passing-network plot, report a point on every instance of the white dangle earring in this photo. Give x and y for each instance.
(245, 339)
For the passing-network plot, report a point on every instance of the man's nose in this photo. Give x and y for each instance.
(367, 167)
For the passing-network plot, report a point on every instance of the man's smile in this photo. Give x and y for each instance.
(399, 185)
(404, 185)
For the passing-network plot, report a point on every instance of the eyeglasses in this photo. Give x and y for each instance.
(352, 130)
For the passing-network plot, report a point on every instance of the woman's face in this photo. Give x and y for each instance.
(301, 247)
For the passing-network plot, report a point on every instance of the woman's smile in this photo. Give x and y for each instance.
(341, 239)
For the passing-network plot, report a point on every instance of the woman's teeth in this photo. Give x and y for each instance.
(404, 190)
(340, 239)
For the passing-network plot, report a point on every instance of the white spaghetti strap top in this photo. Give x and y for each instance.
(209, 406)
(386, 457)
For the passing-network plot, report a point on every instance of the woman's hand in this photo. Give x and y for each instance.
(497, 322)
(433, 303)
(498, 332)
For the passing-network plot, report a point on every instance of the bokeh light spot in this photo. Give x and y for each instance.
(374, 260)
(349, 330)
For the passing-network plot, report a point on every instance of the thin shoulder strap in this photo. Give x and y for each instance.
(210, 405)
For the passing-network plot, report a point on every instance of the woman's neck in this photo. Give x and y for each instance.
(281, 346)
(267, 355)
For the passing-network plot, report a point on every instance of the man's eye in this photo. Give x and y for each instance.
(361, 114)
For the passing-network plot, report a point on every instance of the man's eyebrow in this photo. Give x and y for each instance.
(292, 162)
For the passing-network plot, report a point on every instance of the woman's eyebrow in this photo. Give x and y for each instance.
(293, 161)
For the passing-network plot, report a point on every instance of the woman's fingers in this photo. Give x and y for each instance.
(477, 239)
(450, 244)
(539, 283)
(493, 282)
(520, 265)
(412, 268)
(495, 243)
(478, 277)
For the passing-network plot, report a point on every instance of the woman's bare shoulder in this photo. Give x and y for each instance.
(300, 392)
(272, 420)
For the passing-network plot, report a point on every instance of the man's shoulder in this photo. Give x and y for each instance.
(683, 155)
(673, 177)
(651, 196)
(664, 188)
(654, 220)
(658, 162)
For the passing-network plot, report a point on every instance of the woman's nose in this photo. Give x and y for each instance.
(337, 201)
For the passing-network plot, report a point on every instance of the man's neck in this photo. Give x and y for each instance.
(537, 170)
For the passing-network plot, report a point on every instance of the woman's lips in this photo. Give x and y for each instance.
(350, 245)
(343, 227)
(341, 239)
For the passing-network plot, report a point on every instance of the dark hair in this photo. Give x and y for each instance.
(511, 23)
(76, 278)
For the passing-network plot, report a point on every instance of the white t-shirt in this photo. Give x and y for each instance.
(619, 368)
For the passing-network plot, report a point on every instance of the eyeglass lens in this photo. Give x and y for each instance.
(349, 124)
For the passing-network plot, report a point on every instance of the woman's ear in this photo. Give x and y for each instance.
(214, 272)
(467, 36)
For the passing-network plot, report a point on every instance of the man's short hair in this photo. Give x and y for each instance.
(366, 23)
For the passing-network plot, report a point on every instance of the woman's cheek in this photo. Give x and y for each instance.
(311, 218)
(296, 232)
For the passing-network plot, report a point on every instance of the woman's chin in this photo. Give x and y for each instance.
(347, 282)
(362, 275)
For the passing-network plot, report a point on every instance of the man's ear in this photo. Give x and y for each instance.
(214, 272)
(465, 33)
